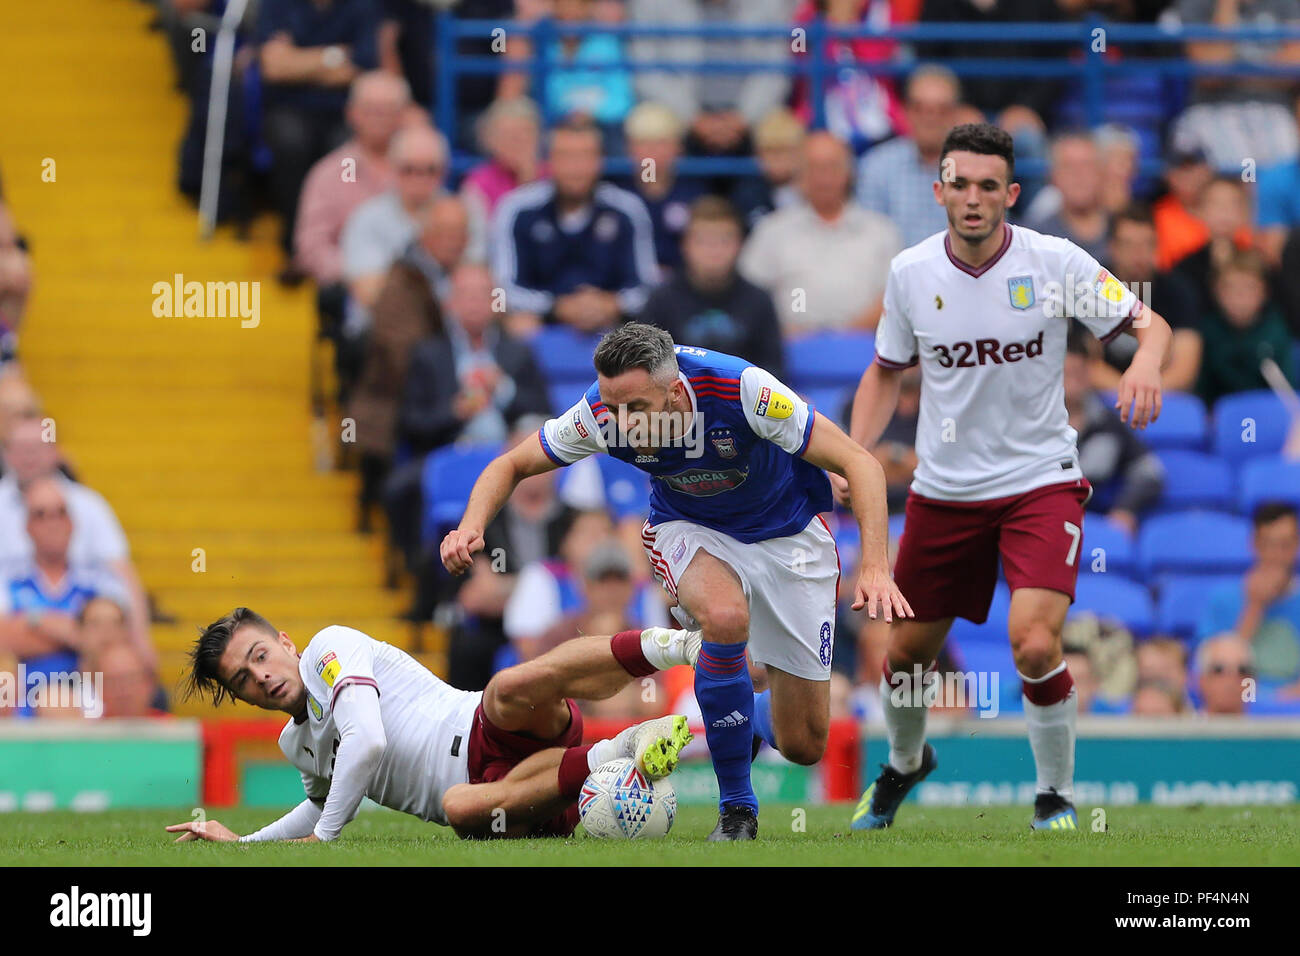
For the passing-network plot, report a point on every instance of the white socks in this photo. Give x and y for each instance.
(1052, 730)
(905, 724)
(603, 751)
(667, 647)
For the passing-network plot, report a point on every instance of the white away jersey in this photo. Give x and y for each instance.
(426, 722)
(991, 344)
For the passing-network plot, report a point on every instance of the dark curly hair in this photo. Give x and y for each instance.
(984, 139)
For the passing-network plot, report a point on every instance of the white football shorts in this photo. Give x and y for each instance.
(790, 584)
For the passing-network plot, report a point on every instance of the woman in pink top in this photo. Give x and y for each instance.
(509, 135)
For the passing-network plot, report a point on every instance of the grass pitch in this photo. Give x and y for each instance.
(976, 836)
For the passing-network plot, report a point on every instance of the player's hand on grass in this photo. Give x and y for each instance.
(1139, 399)
(877, 589)
(458, 549)
(203, 830)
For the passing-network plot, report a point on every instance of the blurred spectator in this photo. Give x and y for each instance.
(1085, 680)
(654, 144)
(707, 303)
(41, 596)
(896, 178)
(719, 109)
(1241, 329)
(510, 137)
(859, 108)
(1264, 610)
(1076, 178)
(549, 589)
(381, 228)
(102, 621)
(1178, 231)
(573, 88)
(97, 537)
(130, 688)
(825, 260)
(1126, 477)
(472, 383)
(403, 45)
(1015, 103)
(15, 284)
(310, 53)
(18, 402)
(405, 312)
(528, 529)
(1224, 208)
(571, 249)
(1288, 283)
(342, 180)
(1131, 257)
(1223, 665)
(1156, 699)
(607, 591)
(778, 144)
(1234, 118)
(1163, 661)
(1121, 154)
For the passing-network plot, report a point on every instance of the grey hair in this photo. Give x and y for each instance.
(636, 345)
(936, 71)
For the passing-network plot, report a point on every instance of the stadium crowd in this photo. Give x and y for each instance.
(463, 274)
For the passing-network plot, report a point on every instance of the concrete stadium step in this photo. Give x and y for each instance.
(280, 602)
(175, 572)
(269, 518)
(338, 547)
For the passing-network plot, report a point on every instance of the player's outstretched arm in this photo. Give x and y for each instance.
(296, 826)
(831, 449)
(1139, 394)
(491, 491)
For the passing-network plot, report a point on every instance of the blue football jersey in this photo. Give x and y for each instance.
(738, 471)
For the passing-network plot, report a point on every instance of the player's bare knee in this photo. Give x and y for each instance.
(726, 622)
(806, 749)
(1036, 647)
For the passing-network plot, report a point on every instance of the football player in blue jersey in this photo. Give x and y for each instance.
(735, 534)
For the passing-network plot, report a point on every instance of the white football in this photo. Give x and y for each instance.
(621, 802)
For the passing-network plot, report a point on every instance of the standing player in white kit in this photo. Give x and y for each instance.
(984, 307)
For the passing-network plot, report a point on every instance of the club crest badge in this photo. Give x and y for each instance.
(1021, 289)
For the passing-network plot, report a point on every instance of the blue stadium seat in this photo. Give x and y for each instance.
(449, 476)
(1268, 479)
(1110, 596)
(828, 359)
(896, 523)
(1181, 599)
(1182, 423)
(1115, 543)
(1194, 542)
(1194, 479)
(1234, 414)
(565, 355)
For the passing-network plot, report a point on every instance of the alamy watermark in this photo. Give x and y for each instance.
(971, 690)
(77, 690)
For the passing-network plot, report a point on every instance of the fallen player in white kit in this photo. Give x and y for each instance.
(368, 720)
